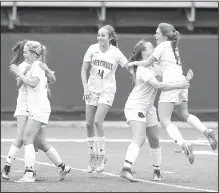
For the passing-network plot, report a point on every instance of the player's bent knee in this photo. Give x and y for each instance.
(18, 142)
(154, 143)
(98, 124)
(139, 141)
(183, 115)
(89, 125)
(165, 123)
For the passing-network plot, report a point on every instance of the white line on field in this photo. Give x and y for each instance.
(140, 180)
(198, 142)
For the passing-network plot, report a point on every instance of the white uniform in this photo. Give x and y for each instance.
(37, 99)
(21, 107)
(171, 72)
(102, 82)
(140, 103)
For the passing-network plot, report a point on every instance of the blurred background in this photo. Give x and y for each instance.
(69, 28)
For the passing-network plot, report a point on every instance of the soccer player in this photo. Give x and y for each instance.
(140, 112)
(21, 112)
(99, 90)
(167, 55)
(39, 111)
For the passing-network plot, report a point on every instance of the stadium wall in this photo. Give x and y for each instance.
(65, 55)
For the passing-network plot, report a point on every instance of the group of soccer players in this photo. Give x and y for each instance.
(146, 65)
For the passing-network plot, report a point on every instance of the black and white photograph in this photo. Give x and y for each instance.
(109, 96)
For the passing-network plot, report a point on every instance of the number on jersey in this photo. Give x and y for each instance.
(100, 73)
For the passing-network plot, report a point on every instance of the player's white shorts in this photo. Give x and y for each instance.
(21, 107)
(149, 117)
(42, 117)
(104, 98)
(174, 96)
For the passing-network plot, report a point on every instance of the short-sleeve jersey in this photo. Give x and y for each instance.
(143, 94)
(103, 67)
(38, 96)
(171, 71)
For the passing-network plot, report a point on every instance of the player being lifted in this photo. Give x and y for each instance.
(167, 55)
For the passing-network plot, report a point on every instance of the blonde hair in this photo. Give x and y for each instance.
(37, 48)
(172, 35)
(40, 51)
(112, 35)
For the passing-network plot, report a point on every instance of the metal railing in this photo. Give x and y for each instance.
(102, 5)
(111, 3)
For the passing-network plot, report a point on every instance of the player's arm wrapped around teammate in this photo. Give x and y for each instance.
(49, 73)
(30, 81)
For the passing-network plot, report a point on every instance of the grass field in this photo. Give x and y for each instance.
(69, 140)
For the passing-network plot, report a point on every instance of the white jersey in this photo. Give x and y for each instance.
(37, 98)
(170, 65)
(143, 94)
(23, 89)
(103, 67)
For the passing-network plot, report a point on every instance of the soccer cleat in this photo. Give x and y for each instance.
(100, 163)
(28, 177)
(209, 133)
(156, 175)
(92, 163)
(128, 174)
(5, 174)
(63, 173)
(187, 148)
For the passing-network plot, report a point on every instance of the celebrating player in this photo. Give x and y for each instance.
(99, 90)
(140, 111)
(167, 55)
(38, 112)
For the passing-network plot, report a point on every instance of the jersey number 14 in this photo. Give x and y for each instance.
(101, 73)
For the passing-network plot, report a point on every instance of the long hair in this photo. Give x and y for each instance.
(112, 35)
(17, 53)
(172, 35)
(137, 56)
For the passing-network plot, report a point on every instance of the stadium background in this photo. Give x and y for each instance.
(68, 28)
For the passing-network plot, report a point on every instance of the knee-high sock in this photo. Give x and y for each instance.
(100, 145)
(91, 145)
(53, 155)
(29, 157)
(12, 155)
(196, 123)
(131, 155)
(174, 133)
(156, 157)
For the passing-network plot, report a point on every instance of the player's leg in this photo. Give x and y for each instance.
(139, 136)
(155, 151)
(30, 132)
(182, 111)
(165, 110)
(51, 153)
(102, 110)
(15, 147)
(152, 133)
(91, 107)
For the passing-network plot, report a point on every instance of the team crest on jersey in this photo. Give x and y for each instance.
(141, 115)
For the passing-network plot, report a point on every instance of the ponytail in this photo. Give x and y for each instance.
(174, 44)
(17, 53)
